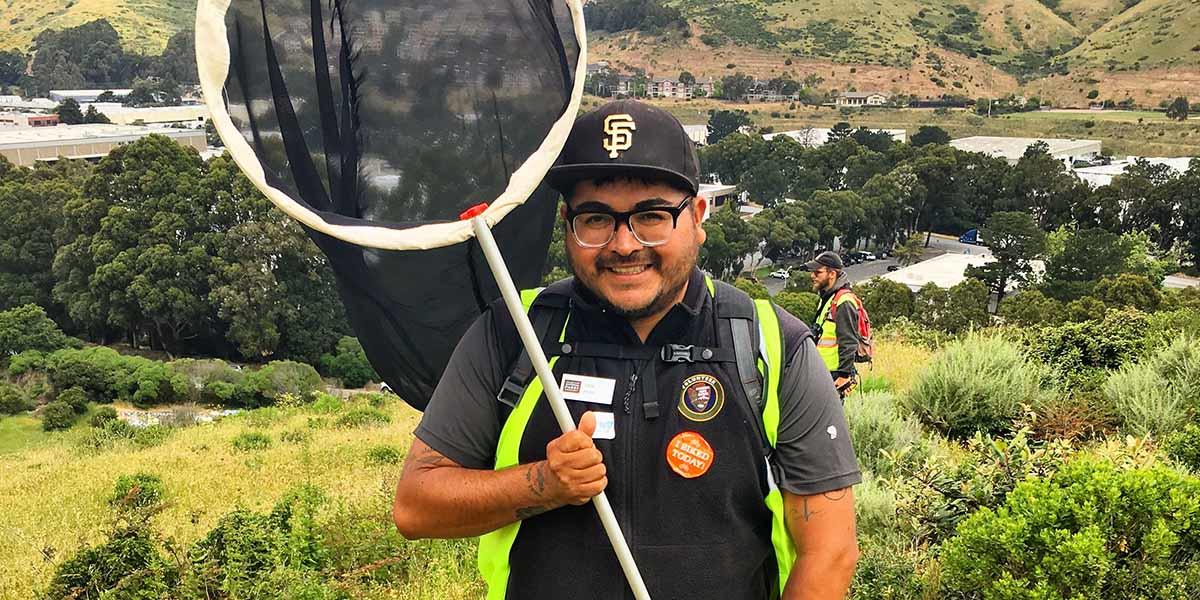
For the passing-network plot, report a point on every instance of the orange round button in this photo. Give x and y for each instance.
(689, 455)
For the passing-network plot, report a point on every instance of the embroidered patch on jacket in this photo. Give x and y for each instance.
(702, 397)
(689, 455)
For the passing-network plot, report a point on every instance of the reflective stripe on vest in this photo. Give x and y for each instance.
(772, 345)
(495, 547)
(827, 344)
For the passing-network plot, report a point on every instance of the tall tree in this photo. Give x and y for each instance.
(730, 241)
(1178, 109)
(1015, 240)
(723, 123)
(12, 67)
(69, 113)
(138, 261)
(30, 213)
(930, 134)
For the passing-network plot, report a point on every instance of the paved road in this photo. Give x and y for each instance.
(938, 245)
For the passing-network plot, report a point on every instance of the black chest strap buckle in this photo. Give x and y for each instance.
(680, 353)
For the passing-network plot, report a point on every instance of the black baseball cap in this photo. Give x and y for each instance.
(829, 260)
(627, 138)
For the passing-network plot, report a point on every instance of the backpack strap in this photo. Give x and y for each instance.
(549, 309)
(741, 329)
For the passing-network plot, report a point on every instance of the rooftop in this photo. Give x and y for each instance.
(1013, 148)
(861, 94)
(74, 133)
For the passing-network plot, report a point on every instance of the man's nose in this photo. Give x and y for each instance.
(624, 242)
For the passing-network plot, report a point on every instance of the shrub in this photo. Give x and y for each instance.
(151, 435)
(976, 384)
(349, 364)
(1183, 446)
(374, 399)
(1075, 351)
(75, 398)
(879, 431)
(1158, 395)
(802, 305)
(256, 555)
(103, 416)
(13, 400)
(363, 417)
(295, 436)
(1031, 307)
(887, 570)
(128, 560)
(1087, 308)
(280, 377)
(209, 381)
(956, 310)
(753, 289)
(1165, 326)
(384, 455)
(800, 281)
(1128, 291)
(251, 441)
(137, 491)
(28, 328)
(1089, 531)
(27, 362)
(57, 416)
(885, 300)
(105, 436)
(326, 403)
(105, 375)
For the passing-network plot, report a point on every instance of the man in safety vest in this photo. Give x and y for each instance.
(839, 340)
(708, 418)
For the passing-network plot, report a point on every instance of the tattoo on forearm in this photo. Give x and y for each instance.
(535, 479)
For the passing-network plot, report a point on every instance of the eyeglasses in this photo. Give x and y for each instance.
(650, 226)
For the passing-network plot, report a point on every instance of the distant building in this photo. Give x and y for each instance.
(27, 147)
(855, 99)
(1012, 149)
(697, 133)
(28, 119)
(718, 194)
(1103, 174)
(195, 114)
(19, 103)
(949, 270)
(84, 96)
(815, 136)
(597, 67)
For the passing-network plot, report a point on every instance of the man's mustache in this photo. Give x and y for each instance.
(641, 257)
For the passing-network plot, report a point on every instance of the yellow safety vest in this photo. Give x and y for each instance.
(827, 344)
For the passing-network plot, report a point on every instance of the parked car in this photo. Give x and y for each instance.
(861, 256)
(781, 274)
(891, 268)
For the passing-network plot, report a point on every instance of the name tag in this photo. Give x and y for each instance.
(606, 427)
(582, 388)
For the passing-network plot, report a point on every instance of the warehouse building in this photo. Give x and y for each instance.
(1012, 149)
(28, 146)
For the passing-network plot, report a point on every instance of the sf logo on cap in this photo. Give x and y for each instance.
(619, 129)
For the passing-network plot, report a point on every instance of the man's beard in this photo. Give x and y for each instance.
(674, 281)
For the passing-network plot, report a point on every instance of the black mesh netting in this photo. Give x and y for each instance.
(402, 113)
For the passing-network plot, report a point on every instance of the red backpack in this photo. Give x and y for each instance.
(866, 348)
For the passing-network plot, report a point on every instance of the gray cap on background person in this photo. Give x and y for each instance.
(827, 259)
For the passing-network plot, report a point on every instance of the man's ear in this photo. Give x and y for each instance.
(700, 213)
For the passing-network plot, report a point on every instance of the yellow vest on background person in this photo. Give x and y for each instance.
(826, 326)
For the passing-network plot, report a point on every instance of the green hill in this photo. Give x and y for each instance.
(144, 25)
(1153, 34)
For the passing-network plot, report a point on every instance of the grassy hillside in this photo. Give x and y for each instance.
(892, 32)
(1153, 34)
(144, 25)
(1089, 15)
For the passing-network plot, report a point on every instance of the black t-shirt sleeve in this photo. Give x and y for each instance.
(462, 419)
(813, 448)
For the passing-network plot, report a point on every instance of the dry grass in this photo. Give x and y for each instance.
(899, 364)
(52, 497)
(144, 25)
